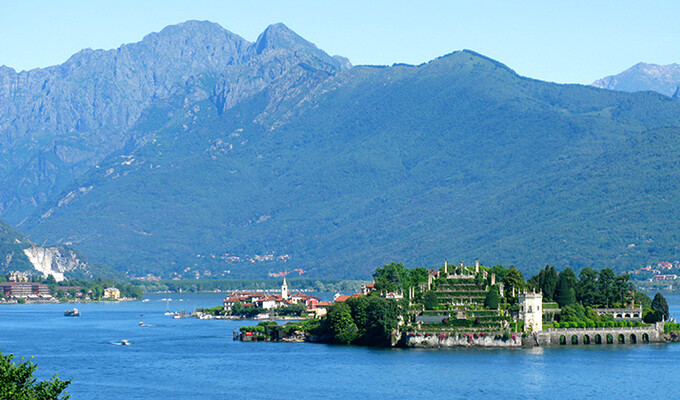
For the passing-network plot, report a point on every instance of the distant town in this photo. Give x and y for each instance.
(21, 287)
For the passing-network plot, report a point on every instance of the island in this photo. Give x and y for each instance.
(469, 305)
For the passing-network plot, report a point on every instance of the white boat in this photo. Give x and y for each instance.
(124, 342)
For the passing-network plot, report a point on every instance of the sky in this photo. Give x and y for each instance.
(560, 41)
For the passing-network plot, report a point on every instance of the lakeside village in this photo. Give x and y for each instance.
(20, 288)
(462, 306)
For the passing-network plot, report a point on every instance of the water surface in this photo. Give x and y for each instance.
(193, 359)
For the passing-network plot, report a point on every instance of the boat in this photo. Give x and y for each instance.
(167, 308)
(124, 342)
(72, 313)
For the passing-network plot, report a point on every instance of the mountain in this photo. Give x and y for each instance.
(17, 253)
(58, 122)
(285, 158)
(664, 79)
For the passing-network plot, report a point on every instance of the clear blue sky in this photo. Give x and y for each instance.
(561, 41)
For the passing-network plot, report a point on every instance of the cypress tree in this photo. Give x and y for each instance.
(493, 298)
(660, 307)
(549, 283)
(564, 294)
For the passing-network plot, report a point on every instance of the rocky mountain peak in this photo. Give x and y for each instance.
(279, 36)
(662, 79)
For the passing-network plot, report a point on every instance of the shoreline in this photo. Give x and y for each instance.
(15, 302)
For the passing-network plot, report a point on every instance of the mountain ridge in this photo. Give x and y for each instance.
(289, 160)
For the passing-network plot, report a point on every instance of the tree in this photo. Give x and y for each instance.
(622, 289)
(493, 298)
(550, 283)
(605, 286)
(430, 300)
(514, 283)
(358, 307)
(97, 292)
(564, 294)
(237, 308)
(572, 313)
(642, 299)
(383, 318)
(391, 277)
(340, 323)
(660, 307)
(545, 281)
(586, 291)
(499, 271)
(570, 276)
(17, 382)
(418, 275)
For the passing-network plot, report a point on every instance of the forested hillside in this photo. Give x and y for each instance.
(289, 160)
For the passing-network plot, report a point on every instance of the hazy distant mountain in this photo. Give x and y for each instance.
(664, 79)
(279, 157)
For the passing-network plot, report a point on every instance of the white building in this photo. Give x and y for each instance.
(284, 289)
(531, 310)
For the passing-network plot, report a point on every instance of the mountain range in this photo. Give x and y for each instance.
(664, 79)
(197, 153)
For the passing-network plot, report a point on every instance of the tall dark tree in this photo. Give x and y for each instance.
(605, 286)
(570, 276)
(622, 289)
(536, 282)
(565, 293)
(430, 300)
(550, 283)
(493, 298)
(660, 307)
(586, 290)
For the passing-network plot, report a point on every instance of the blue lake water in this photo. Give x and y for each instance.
(194, 359)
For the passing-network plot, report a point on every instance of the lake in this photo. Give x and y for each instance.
(197, 359)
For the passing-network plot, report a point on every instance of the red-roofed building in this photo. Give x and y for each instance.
(340, 298)
(366, 289)
(666, 277)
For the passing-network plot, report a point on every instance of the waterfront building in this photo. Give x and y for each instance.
(112, 293)
(24, 289)
(531, 310)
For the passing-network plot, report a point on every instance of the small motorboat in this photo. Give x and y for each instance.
(125, 342)
(72, 313)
